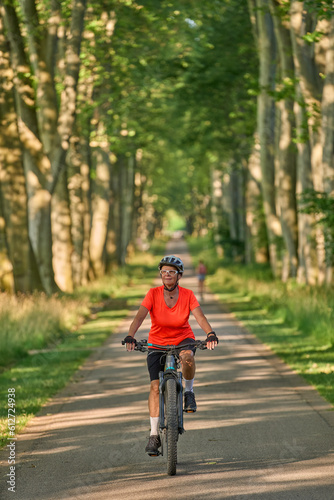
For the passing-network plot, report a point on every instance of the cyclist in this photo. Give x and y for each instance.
(169, 306)
(201, 272)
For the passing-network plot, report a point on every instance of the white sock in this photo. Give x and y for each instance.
(154, 426)
(188, 385)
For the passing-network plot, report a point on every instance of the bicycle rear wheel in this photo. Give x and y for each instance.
(172, 430)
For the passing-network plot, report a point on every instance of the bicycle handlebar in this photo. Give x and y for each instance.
(143, 346)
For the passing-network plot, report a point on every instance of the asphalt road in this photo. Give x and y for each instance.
(259, 433)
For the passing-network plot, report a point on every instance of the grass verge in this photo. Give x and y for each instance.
(47, 339)
(295, 321)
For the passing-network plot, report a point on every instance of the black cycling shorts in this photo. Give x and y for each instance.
(156, 359)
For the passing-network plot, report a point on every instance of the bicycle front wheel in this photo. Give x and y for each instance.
(172, 430)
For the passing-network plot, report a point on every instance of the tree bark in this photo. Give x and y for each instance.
(79, 188)
(311, 87)
(266, 118)
(100, 211)
(236, 222)
(12, 180)
(6, 268)
(62, 246)
(44, 129)
(286, 151)
(126, 172)
(68, 98)
(216, 208)
(327, 108)
(45, 96)
(256, 235)
(36, 164)
(306, 246)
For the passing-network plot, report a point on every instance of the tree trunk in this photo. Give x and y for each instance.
(68, 100)
(266, 119)
(236, 208)
(6, 268)
(233, 206)
(216, 208)
(12, 180)
(61, 234)
(256, 248)
(126, 169)
(327, 108)
(100, 211)
(306, 246)
(286, 151)
(36, 164)
(145, 215)
(311, 88)
(79, 186)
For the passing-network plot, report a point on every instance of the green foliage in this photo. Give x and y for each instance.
(285, 89)
(324, 9)
(175, 221)
(313, 37)
(178, 81)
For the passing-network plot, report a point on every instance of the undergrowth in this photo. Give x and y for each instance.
(295, 320)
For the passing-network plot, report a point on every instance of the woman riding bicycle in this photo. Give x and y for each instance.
(169, 306)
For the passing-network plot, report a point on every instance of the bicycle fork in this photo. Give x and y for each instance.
(162, 382)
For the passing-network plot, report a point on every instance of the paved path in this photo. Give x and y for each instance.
(259, 432)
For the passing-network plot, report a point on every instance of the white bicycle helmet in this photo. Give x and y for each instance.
(171, 260)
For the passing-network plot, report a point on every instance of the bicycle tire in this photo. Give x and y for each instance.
(172, 430)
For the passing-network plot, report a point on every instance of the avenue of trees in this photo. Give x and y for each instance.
(113, 112)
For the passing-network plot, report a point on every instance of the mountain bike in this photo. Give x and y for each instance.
(170, 398)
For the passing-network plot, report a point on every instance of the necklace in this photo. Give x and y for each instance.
(169, 296)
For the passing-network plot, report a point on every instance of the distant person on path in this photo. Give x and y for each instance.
(201, 274)
(169, 306)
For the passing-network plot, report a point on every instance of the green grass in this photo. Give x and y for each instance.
(295, 321)
(47, 339)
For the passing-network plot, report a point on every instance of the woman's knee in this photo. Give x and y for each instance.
(187, 357)
(155, 386)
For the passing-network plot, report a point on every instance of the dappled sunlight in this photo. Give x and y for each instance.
(95, 417)
(60, 449)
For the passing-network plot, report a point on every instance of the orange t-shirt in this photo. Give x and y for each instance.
(169, 325)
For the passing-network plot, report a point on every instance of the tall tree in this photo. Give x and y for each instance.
(266, 124)
(285, 155)
(308, 73)
(45, 128)
(12, 179)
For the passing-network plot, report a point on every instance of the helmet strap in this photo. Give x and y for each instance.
(171, 289)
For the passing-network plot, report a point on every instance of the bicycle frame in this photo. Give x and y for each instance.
(170, 371)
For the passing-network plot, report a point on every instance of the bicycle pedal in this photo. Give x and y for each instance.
(154, 454)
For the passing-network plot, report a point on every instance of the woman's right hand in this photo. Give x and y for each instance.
(130, 343)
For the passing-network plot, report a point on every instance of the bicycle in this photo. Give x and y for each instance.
(170, 398)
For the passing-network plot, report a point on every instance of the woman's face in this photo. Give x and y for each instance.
(169, 276)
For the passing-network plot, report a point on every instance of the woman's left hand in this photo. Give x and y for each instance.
(211, 340)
